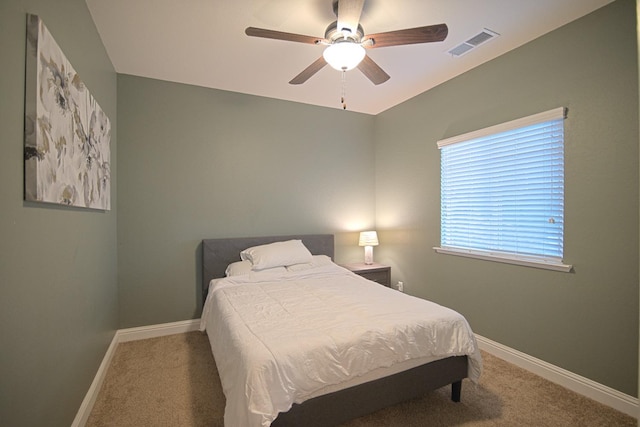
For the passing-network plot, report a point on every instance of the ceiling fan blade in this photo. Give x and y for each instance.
(279, 35)
(373, 71)
(431, 33)
(309, 71)
(349, 12)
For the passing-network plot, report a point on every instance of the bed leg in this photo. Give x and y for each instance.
(456, 389)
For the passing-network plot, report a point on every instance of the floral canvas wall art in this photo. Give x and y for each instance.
(67, 135)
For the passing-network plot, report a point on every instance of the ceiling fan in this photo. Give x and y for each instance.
(346, 42)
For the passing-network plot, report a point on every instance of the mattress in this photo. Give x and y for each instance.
(282, 337)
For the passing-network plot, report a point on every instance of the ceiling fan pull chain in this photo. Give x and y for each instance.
(344, 90)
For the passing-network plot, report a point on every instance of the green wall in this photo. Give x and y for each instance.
(58, 266)
(201, 163)
(585, 321)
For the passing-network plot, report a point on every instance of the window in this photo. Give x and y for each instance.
(502, 192)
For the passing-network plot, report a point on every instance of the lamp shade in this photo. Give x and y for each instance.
(368, 238)
(344, 55)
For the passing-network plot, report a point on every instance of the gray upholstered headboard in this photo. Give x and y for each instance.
(217, 254)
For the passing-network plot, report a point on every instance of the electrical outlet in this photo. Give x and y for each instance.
(400, 286)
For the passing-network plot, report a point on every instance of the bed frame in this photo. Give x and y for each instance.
(343, 405)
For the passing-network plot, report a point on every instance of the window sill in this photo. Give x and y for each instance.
(497, 257)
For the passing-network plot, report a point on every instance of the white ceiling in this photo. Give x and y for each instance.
(202, 42)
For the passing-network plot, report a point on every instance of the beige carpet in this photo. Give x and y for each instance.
(172, 381)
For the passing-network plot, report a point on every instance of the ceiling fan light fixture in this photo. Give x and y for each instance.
(344, 56)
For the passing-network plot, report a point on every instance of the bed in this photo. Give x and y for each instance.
(287, 384)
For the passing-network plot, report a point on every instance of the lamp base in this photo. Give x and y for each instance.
(368, 255)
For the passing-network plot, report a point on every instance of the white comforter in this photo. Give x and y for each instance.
(279, 338)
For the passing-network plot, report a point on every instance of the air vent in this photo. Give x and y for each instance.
(482, 37)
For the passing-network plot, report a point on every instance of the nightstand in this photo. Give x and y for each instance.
(377, 272)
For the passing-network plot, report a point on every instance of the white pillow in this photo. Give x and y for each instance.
(277, 254)
(317, 261)
(239, 268)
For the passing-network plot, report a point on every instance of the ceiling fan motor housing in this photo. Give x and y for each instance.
(333, 34)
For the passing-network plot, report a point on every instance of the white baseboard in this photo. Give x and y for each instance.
(154, 331)
(125, 335)
(581, 385)
(92, 394)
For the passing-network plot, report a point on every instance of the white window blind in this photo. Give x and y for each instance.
(502, 191)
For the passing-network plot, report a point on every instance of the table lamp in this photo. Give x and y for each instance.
(368, 239)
